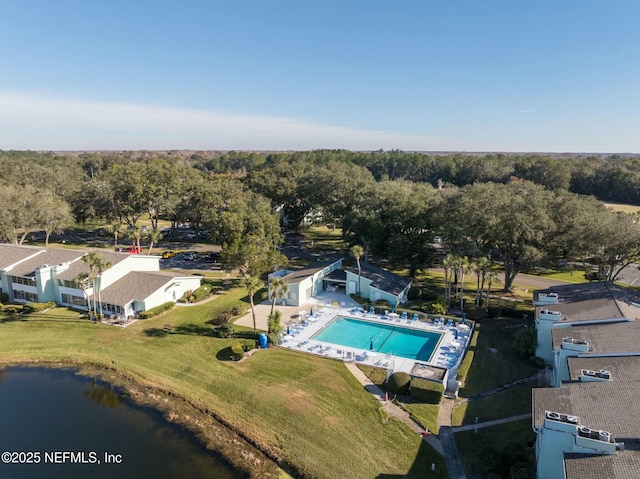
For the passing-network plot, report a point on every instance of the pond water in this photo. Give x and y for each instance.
(65, 426)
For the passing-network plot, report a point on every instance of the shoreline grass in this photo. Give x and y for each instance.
(307, 411)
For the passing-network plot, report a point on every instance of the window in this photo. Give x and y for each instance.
(68, 284)
(23, 280)
(23, 295)
(113, 308)
(74, 300)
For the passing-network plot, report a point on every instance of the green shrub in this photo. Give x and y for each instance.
(203, 292)
(237, 351)
(238, 309)
(274, 322)
(150, 313)
(524, 341)
(248, 344)
(381, 302)
(414, 293)
(37, 307)
(221, 317)
(273, 338)
(399, 383)
(224, 331)
(13, 309)
(438, 306)
(426, 391)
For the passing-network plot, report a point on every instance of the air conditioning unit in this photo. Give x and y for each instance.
(573, 419)
(553, 415)
(584, 430)
(604, 436)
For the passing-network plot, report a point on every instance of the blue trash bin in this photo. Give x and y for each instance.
(263, 340)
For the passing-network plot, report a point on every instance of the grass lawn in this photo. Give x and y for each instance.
(626, 208)
(492, 369)
(424, 414)
(512, 402)
(511, 441)
(307, 410)
(325, 239)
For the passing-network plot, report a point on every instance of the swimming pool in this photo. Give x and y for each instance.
(385, 338)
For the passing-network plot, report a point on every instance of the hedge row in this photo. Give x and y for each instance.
(150, 313)
(426, 391)
(36, 307)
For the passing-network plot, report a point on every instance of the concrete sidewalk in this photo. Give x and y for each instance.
(471, 427)
(392, 410)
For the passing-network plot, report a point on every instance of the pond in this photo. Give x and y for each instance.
(56, 424)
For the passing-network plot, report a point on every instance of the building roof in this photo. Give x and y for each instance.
(50, 257)
(382, 279)
(338, 275)
(304, 273)
(623, 464)
(137, 286)
(622, 368)
(11, 254)
(78, 267)
(593, 301)
(606, 338)
(603, 405)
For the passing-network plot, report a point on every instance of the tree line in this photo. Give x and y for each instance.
(409, 208)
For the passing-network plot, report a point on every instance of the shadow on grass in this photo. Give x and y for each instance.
(421, 467)
(187, 329)
(155, 332)
(225, 354)
(11, 319)
(245, 335)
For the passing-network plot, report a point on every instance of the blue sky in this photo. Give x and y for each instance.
(413, 75)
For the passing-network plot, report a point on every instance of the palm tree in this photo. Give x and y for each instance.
(448, 264)
(134, 233)
(97, 265)
(154, 236)
(81, 281)
(92, 258)
(491, 277)
(278, 289)
(461, 267)
(357, 251)
(252, 285)
(480, 266)
(101, 266)
(114, 229)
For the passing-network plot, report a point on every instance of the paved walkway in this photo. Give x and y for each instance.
(393, 410)
(471, 427)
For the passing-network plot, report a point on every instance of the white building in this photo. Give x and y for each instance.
(131, 283)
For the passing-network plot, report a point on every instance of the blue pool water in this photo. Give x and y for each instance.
(386, 338)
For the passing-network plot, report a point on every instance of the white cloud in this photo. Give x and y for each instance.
(45, 122)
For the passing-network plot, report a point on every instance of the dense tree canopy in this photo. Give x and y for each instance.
(518, 209)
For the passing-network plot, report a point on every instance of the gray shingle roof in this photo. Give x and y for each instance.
(304, 273)
(136, 285)
(78, 267)
(610, 338)
(50, 256)
(622, 368)
(10, 254)
(608, 405)
(623, 464)
(382, 279)
(594, 301)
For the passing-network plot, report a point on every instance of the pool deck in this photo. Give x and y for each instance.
(447, 355)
